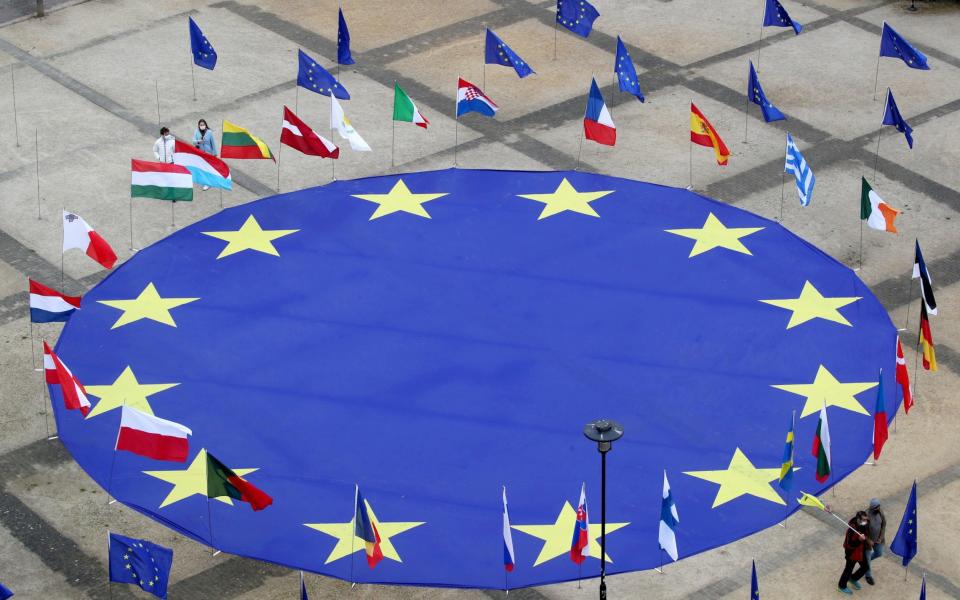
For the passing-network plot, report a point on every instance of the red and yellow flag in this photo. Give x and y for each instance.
(926, 341)
(703, 134)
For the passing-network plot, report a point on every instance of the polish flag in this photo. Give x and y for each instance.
(903, 378)
(77, 234)
(57, 373)
(152, 436)
(297, 134)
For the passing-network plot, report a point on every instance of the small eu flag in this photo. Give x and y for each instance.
(203, 53)
(754, 588)
(315, 78)
(892, 44)
(577, 16)
(141, 563)
(905, 543)
(343, 41)
(776, 15)
(892, 116)
(499, 53)
(5, 592)
(756, 95)
(626, 73)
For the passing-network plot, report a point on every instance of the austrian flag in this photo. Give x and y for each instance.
(153, 437)
(57, 373)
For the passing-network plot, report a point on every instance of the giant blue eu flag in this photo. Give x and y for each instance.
(141, 563)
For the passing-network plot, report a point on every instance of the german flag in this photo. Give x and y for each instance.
(365, 529)
(237, 142)
(926, 340)
(221, 481)
(702, 133)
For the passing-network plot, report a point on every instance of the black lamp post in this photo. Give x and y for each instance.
(604, 432)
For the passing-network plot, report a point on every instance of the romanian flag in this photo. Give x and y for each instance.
(365, 529)
(221, 481)
(926, 341)
(703, 134)
(237, 142)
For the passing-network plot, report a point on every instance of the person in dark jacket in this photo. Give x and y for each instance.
(876, 536)
(854, 548)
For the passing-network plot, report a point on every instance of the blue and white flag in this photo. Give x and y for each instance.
(668, 521)
(141, 563)
(891, 116)
(577, 16)
(626, 73)
(754, 586)
(497, 52)
(756, 95)
(904, 543)
(315, 78)
(343, 41)
(203, 53)
(892, 44)
(776, 16)
(796, 165)
(509, 558)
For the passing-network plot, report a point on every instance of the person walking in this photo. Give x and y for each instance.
(854, 548)
(204, 141)
(876, 536)
(163, 147)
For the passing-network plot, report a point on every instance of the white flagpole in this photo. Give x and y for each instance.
(156, 84)
(356, 498)
(760, 39)
(36, 149)
(456, 120)
(13, 90)
(876, 77)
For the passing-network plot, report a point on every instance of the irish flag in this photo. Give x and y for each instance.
(237, 142)
(877, 213)
(821, 446)
(163, 181)
(152, 436)
(405, 110)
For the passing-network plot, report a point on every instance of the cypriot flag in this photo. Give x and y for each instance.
(340, 122)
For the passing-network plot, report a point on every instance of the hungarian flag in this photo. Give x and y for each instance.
(365, 529)
(580, 544)
(162, 181)
(405, 110)
(821, 446)
(221, 481)
(298, 135)
(237, 142)
(153, 437)
(926, 340)
(57, 373)
(47, 305)
(702, 133)
(879, 421)
(77, 234)
(926, 284)
(877, 213)
(597, 122)
(903, 378)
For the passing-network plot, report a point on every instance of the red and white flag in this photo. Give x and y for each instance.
(152, 436)
(298, 134)
(77, 234)
(903, 378)
(57, 373)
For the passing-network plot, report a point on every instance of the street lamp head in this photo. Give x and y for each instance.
(604, 432)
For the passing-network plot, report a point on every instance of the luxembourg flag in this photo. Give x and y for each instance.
(471, 99)
(597, 123)
(580, 544)
(47, 305)
(153, 437)
(57, 373)
(509, 558)
(206, 169)
(77, 234)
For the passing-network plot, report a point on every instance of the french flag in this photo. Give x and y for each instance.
(509, 558)
(597, 123)
(47, 305)
(471, 99)
(57, 373)
(153, 437)
(580, 544)
(206, 169)
(77, 234)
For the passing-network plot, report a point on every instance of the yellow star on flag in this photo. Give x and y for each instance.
(125, 390)
(191, 481)
(250, 236)
(566, 197)
(715, 234)
(556, 536)
(825, 389)
(399, 198)
(148, 305)
(741, 478)
(813, 305)
(348, 542)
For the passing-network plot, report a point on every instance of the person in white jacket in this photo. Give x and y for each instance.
(163, 147)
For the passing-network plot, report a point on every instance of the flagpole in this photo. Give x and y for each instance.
(173, 214)
(109, 587)
(783, 175)
(555, 29)
(36, 148)
(746, 115)
(356, 498)
(906, 324)
(456, 121)
(156, 84)
(579, 151)
(760, 39)
(113, 461)
(279, 152)
(33, 346)
(131, 224)
(13, 89)
(861, 245)
(333, 160)
(296, 100)
(916, 364)
(876, 158)
(690, 148)
(63, 237)
(220, 189)
(193, 78)
(393, 142)
(210, 526)
(43, 394)
(876, 77)
(660, 570)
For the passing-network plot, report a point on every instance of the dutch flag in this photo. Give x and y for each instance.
(470, 98)
(509, 559)
(47, 305)
(597, 122)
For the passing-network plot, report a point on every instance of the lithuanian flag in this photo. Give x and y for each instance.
(702, 133)
(237, 142)
(926, 341)
(221, 481)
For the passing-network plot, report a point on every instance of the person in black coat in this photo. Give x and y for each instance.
(855, 548)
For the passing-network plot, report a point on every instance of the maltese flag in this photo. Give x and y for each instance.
(77, 234)
(597, 122)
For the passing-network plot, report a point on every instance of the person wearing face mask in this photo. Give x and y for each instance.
(203, 140)
(163, 147)
(876, 535)
(854, 548)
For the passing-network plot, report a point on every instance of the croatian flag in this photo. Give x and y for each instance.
(471, 99)
(597, 123)
(205, 168)
(509, 559)
(580, 544)
(47, 305)
(153, 437)
(57, 373)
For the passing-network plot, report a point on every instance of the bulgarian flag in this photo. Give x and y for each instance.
(153, 437)
(237, 142)
(163, 181)
(405, 110)
(221, 481)
(877, 213)
(821, 446)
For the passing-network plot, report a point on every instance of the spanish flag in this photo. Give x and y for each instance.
(926, 341)
(703, 134)
(237, 142)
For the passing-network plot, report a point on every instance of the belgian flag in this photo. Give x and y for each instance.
(925, 340)
(221, 481)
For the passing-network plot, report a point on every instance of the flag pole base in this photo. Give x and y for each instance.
(782, 524)
(353, 585)
(857, 270)
(658, 570)
(38, 369)
(689, 188)
(215, 552)
(52, 437)
(902, 329)
(112, 501)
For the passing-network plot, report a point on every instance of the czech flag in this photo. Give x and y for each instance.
(47, 305)
(365, 529)
(580, 544)
(597, 123)
(470, 98)
(509, 558)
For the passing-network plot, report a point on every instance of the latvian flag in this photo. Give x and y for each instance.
(47, 305)
(162, 181)
(153, 437)
(509, 558)
(206, 169)
(57, 373)
(298, 135)
(597, 123)
(471, 99)
(77, 234)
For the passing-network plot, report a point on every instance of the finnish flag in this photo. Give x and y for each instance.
(668, 521)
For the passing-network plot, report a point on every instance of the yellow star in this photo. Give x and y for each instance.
(739, 478)
(348, 542)
(715, 234)
(125, 390)
(250, 236)
(825, 389)
(191, 481)
(566, 197)
(148, 305)
(556, 536)
(399, 198)
(813, 305)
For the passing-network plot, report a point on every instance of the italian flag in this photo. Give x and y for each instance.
(221, 481)
(821, 446)
(153, 437)
(405, 110)
(163, 181)
(877, 213)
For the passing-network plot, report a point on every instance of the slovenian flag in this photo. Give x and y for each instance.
(509, 558)
(47, 305)
(77, 234)
(471, 99)
(580, 544)
(57, 373)
(206, 169)
(153, 437)
(597, 123)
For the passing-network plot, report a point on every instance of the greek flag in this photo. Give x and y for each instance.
(801, 170)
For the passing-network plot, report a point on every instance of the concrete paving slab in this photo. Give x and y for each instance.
(27, 577)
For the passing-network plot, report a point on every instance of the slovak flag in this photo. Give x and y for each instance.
(47, 305)
(57, 373)
(580, 544)
(471, 99)
(597, 123)
(509, 558)
(77, 234)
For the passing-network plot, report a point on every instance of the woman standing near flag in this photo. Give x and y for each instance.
(203, 141)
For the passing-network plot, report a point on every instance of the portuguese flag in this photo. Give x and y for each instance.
(237, 142)
(221, 481)
(405, 110)
(821, 446)
(163, 181)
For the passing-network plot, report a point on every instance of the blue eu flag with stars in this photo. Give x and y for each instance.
(343, 41)
(892, 116)
(905, 543)
(756, 95)
(892, 44)
(203, 53)
(775, 15)
(626, 73)
(499, 53)
(317, 79)
(5, 592)
(754, 588)
(577, 16)
(141, 563)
